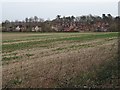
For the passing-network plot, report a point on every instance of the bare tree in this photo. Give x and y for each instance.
(26, 20)
(36, 18)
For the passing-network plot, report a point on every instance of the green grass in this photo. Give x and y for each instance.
(47, 42)
(96, 76)
(10, 58)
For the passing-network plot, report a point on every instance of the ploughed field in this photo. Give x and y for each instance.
(51, 60)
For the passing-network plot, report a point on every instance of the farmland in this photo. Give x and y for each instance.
(59, 59)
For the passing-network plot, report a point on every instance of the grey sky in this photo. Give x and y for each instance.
(20, 10)
(119, 8)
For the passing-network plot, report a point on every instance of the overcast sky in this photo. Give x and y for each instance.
(19, 9)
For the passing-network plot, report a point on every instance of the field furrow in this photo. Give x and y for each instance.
(61, 60)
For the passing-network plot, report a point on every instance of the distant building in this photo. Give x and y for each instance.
(36, 29)
(17, 28)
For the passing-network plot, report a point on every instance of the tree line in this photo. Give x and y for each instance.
(64, 23)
